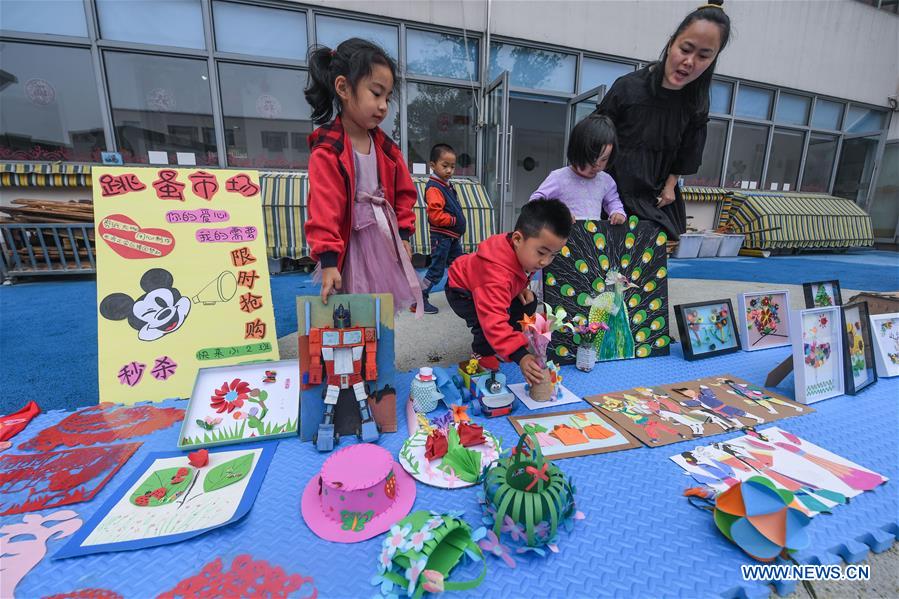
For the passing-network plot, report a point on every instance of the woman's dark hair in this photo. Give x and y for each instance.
(589, 138)
(698, 90)
(353, 59)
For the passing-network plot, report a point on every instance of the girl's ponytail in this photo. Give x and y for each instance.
(319, 90)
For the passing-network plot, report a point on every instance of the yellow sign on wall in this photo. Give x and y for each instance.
(182, 278)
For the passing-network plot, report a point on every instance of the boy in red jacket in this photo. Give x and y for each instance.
(489, 288)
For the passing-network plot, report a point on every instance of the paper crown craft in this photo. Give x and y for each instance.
(529, 497)
(359, 493)
(757, 517)
(421, 551)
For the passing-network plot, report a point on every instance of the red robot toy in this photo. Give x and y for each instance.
(346, 357)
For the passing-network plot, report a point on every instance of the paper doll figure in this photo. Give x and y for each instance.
(699, 414)
(856, 478)
(709, 471)
(673, 412)
(757, 395)
(30, 546)
(649, 426)
(707, 399)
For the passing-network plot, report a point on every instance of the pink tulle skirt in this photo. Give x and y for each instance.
(375, 260)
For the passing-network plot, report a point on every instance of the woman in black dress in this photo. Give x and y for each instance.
(660, 113)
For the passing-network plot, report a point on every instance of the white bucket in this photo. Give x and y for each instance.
(730, 244)
(688, 246)
(710, 244)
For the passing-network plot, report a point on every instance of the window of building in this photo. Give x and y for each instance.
(160, 104)
(864, 120)
(783, 164)
(330, 31)
(709, 173)
(441, 114)
(754, 102)
(266, 116)
(47, 111)
(441, 55)
(59, 17)
(163, 22)
(822, 149)
(747, 156)
(721, 92)
(533, 68)
(261, 31)
(885, 203)
(595, 72)
(792, 109)
(828, 115)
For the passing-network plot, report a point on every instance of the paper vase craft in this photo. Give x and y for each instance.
(371, 363)
(182, 278)
(764, 319)
(563, 397)
(859, 368)
(818, 353)
(885, 330)
(573, 433)
(616, 275)
(249, 402)
(822, 294)
(450, 457)
(819, 479)
(168, 500)
(359, 493)
(665, 414)
(707, 329)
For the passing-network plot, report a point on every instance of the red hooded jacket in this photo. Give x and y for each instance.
(494, 277)
(332, 189)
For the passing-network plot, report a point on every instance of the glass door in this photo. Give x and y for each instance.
(855, 168)
(495, 157)
(885, 201)
(580, 106)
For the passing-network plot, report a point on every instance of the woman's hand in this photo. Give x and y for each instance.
(667, 195)
(331, 282)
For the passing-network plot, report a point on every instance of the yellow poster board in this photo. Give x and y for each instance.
(182, 278)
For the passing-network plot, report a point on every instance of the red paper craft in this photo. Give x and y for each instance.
(12, 424)
(198, 458)
(247, 578)
(104, 424)
(35, 482)
(87, 594)
(436, 446)
(471, 434)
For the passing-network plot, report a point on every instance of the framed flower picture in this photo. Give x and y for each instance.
(885, 331)
(764, 319)
(858, 350)
(818, 353)
(821, 294)
(247, 402)
(707, 329)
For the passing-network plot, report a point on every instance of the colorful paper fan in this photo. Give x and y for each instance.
(757, 517)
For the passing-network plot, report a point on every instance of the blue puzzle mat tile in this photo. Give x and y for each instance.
(640, 538)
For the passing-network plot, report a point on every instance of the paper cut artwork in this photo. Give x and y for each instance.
(822, 294)
(764, 319)
(885, 329)
(666, 414)
(347, 378)
(230, 404)
(707, 329)
(246, 578)
(15, 422)
(572, 433)
(614, 275)
(451, 456)
(104, 423)
(819, 479)
(167, 500)
(167, 301)
(859, 369)
(87, 594)
(24, 544)
(818, 354)
(563, 397)
(29, 483)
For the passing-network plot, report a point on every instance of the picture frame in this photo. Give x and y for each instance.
(818, 353)
(704, 333)
(764, 318)
(815, 291)
(885, 332)
(858, 348)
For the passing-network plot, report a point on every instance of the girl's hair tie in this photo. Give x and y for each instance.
(718, 6)
(332, 53)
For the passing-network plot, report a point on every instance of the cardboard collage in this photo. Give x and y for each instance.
(573, 433)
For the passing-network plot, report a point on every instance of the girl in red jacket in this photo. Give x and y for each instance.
(361, 197)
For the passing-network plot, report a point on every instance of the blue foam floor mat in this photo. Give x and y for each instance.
(640, 538)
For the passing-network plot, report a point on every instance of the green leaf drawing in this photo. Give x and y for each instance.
(163, 486)
(228, 473)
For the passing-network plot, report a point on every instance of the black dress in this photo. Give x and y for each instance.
(659, 133)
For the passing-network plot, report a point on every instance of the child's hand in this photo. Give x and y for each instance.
(616, 218)
(526, 296)
(331, 282)
(408, 247)
(531, 370)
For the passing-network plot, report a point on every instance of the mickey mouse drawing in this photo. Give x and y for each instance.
(159, 311)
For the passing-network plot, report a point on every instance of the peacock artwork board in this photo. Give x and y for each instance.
(616, 275)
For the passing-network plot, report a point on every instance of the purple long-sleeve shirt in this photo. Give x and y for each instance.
(586, 198)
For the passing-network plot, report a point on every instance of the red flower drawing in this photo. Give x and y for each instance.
(230, 396)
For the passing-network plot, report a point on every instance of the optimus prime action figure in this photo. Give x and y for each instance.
(340, 352)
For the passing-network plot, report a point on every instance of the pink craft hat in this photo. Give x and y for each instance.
(359, 493)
